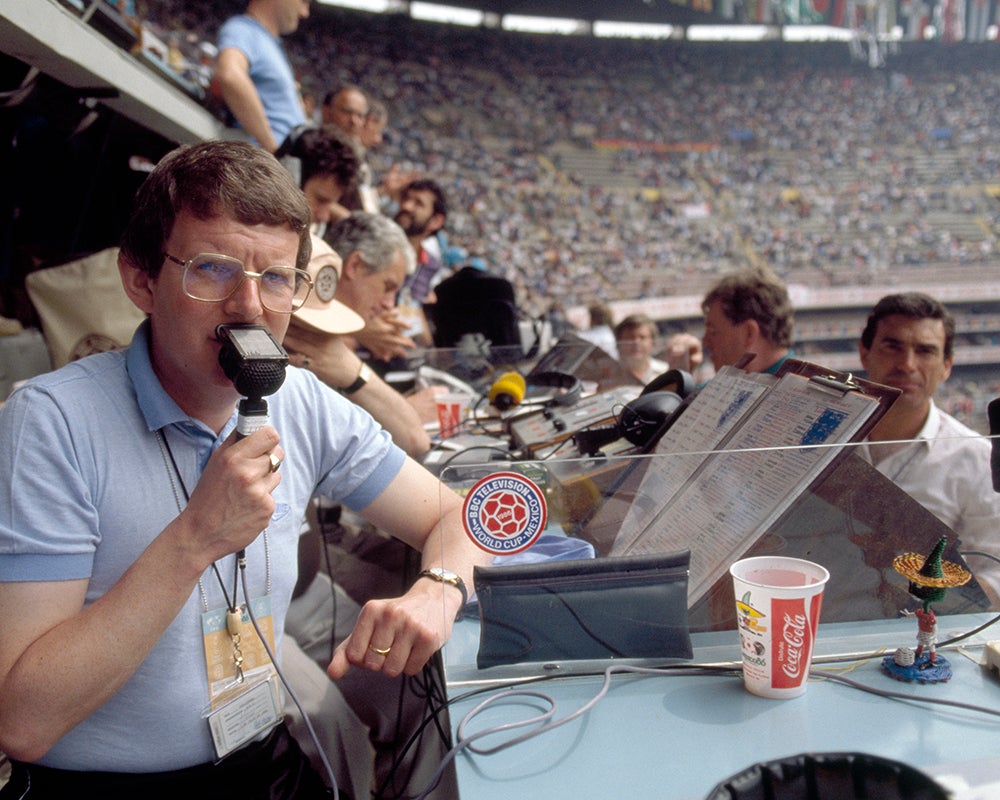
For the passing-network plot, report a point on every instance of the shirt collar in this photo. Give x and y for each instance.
(931, 424)
(773, 369)
(157, 407)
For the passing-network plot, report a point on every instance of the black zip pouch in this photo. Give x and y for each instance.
(629, 607)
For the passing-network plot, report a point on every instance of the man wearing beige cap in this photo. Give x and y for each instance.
(315, 341)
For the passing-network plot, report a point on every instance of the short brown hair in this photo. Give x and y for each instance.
(208, 180)
(324, 151)
(756, 294)
(634, 322)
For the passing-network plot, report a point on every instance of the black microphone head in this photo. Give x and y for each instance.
(253, 378)
(993, 412)
(252, 359)
(503, 402)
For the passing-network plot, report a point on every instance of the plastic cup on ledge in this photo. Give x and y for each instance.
(778, 601)
(451, 411)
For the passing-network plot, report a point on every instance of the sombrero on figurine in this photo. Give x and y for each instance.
(930, 579)
(931, 571)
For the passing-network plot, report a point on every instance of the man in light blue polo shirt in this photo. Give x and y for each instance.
(128, 663)
(253, 72)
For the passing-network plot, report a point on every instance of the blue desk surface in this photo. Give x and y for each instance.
(677, 736)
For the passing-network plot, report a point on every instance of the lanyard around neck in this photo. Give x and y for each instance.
(177, 480)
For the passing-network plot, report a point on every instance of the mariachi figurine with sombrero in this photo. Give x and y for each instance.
(930, 579)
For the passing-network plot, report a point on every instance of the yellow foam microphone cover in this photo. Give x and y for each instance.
(507, 391)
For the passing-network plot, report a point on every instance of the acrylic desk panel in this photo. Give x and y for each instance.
(676, 737)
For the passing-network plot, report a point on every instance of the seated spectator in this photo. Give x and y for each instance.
(328, 170)
(600, 331)
(316, 341)
(347, 109)
(636, 338)
(377, 258)
(422, 213)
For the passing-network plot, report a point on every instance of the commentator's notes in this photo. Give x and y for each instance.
(733, 462)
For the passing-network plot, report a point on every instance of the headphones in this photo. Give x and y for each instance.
(656, 408)
(509, 389)
(647, 416)
(673, 380)
(642, 421)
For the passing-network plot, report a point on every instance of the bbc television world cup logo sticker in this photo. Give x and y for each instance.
(504, 513)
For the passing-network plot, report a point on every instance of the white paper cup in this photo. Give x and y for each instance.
(778, 601)
(451, 408)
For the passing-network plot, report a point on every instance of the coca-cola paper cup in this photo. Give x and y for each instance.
(777, 605)
(451, 408)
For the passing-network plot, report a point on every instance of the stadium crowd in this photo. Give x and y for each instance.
(829, 171)
(588, 170)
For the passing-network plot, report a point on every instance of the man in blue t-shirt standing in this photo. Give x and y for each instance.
(253, 72)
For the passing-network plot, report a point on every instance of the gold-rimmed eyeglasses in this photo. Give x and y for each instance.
(212, 278)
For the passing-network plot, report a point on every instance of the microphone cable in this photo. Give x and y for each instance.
(255, 362)
(284, 682)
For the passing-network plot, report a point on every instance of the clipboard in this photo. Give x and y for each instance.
(846, 382)
(772, 436)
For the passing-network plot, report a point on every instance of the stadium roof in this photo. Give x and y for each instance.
(643, 18)
(648, 11)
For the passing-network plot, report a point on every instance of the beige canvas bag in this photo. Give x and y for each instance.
(82, 307)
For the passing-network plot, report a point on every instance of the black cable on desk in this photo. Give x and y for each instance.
(507, 455)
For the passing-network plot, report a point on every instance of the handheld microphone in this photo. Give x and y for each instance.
(993, 411)
(507, 391)
(255, 362)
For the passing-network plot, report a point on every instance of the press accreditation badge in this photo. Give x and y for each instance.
(254, 711)
(244, 698)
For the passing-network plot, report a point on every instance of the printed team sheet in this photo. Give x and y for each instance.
(772, 441)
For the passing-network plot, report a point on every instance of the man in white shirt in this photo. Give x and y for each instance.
(908, 343)
(636, 337)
